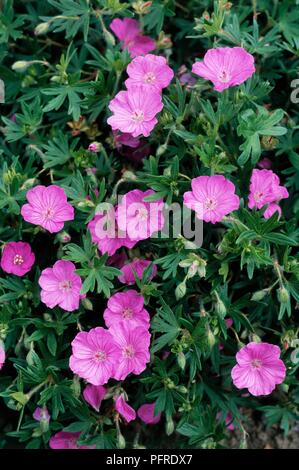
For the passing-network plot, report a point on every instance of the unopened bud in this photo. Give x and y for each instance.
(21, 65)
(87, 304)
(41, 28)
(259, 295)
(180, 291)
(121, 443)
(64, 237)
(169, 426)
(161, 149)
(181, 360)
(95, 147)
(220, 308)
(283, 295)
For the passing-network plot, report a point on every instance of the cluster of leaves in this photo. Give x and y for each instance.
(61, 65)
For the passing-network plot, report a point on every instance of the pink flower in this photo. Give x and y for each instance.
(117, 260)
(146, 413)
(228, 420)
(212, 197)
(225, 67)
(94, 395)
(136, 267)
(229, 322)
(128, 32)
(94, 147)
(140, 219)
(48, 207)
(127, 306)
(133, 343)
(67, 440)
(265, 189)
(134, 111)
(126, 411)
(2, 355)
(258, 368)
(151, 71)
(61, 286)
(95, 355)
(41, 414)
(106, 234)
(17, 258)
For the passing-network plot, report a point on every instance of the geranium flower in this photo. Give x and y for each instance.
(212, 197)
(136, 267)
(67, 440)
(41, 414)
(151, 71)
(48, 207)
(225, 67)
(127, 306)
(17, 258)
(258, 368)
(265, 189)
(146, 413)
(94, 395)
(94, 355)
(133, 343)
(125, 410)
(129, 33)
(134, 111)
(61, 286)
(140, 219)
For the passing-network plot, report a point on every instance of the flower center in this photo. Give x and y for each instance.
(65, 286)
(137, 116)
(48, 213)
(210, 204)
(100, 356)
(18, 259)
(224, 76)
(258, 196)
(256, 363)
(127, 313)
(129, 351)
(149, 78)
(141, 214)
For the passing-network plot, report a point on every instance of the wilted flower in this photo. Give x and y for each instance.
(212, 197)
(258, 368)
(94, 395)
(134, 111)
(125, 410)
(17, 258)
(146, 413)
(48, 207)
(225, 67)
(41, 414)
(61, 286)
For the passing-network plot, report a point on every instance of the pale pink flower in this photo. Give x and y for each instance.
(136, 267)
(95, 355)
(48, 207)
(94, 395)
(258, 368)
(129, 33)
(225, 67)
(140, 219)
(125, 410)
(265, 189)
(146, 413)
(107, 235)
(17, 258)
(41, 414)
(212, 197)
(150, 70)
(61, 286)
(127, 306)
(133, 343)
(134, 111)
(67, 440)
(2, 355)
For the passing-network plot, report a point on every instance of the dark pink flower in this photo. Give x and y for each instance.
(136, 267)
(134, 111)
(258, 368)
(146, 413)
(225, 67)
(61, 286)
(212, 197)
(67, 440)
(94, 395)
(48, 207)
(95, 355)
(17, 258)
(125, 410)
(127, 306)
(2, 355)
(129, 33)
(126, 139)
(133, 343)
(41, 414)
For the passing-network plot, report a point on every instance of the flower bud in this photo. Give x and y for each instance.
(180, 290)
(41, 28)
(64, 237)
(161, 149)
(121, 443)
(259, 295)
(21, 65)
(283, 295)
(87, 304)
(181, 360)
(95, 147)
(169, 426)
